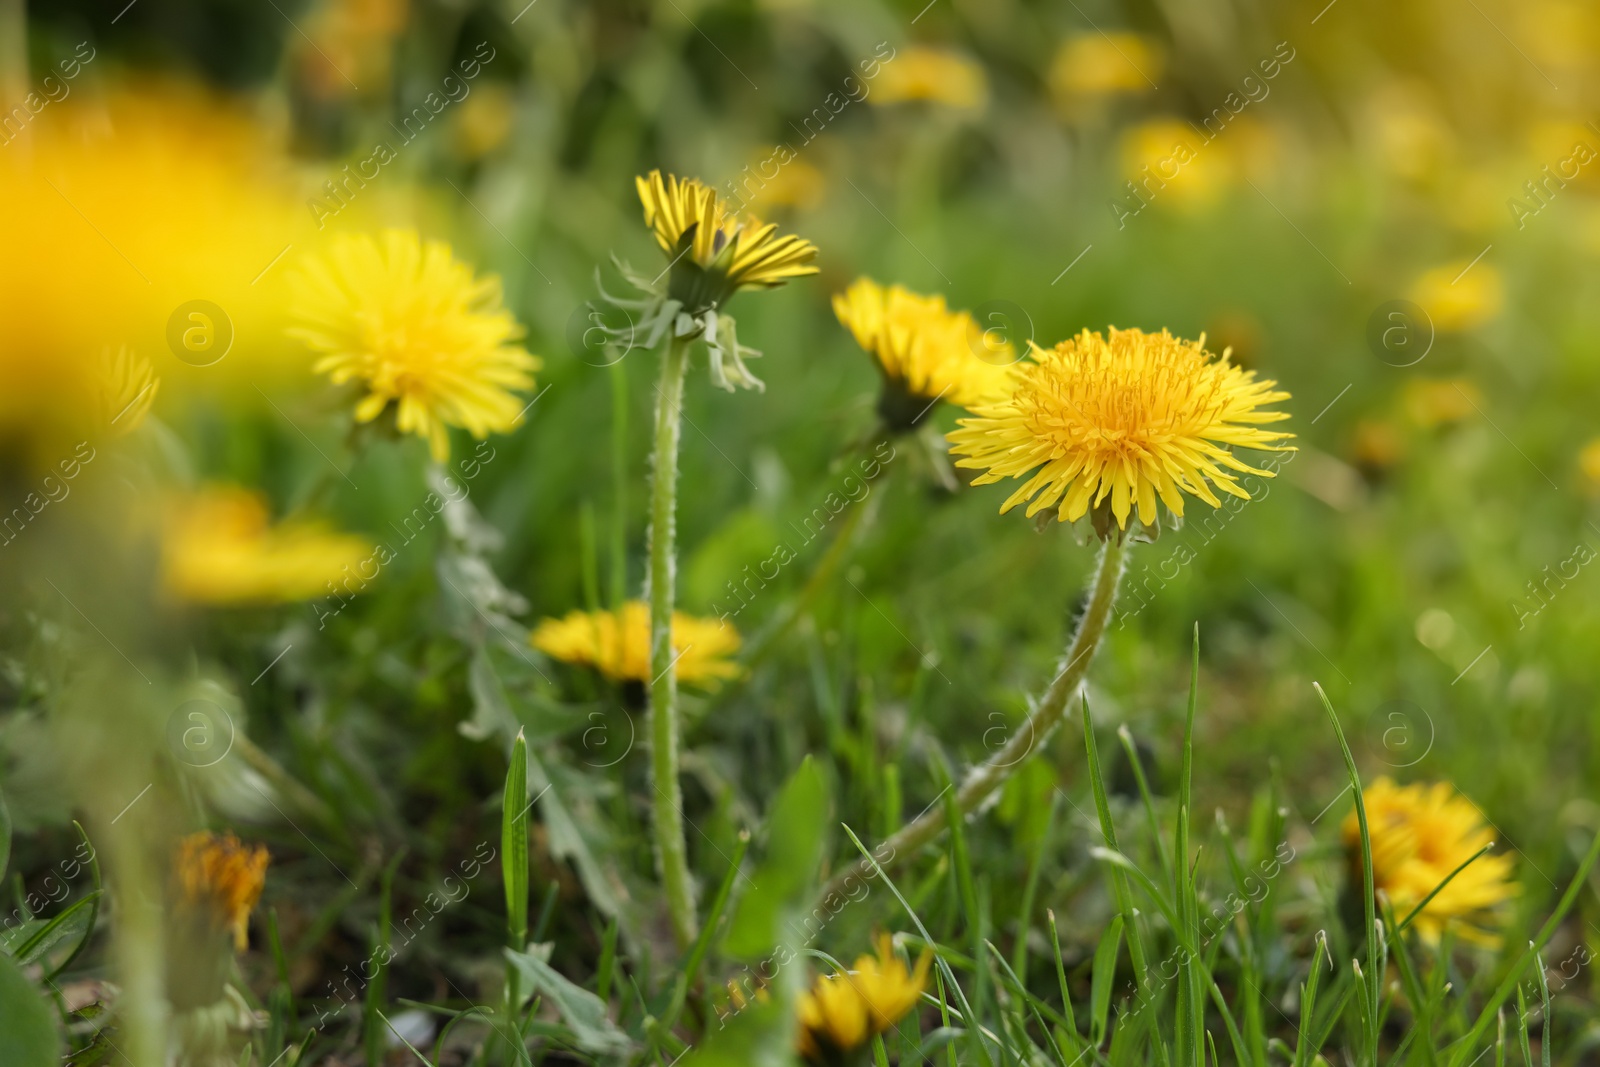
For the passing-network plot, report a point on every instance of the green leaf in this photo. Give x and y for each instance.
(1105, 974)
(582, 1011)
(27, 1021)
(5, 835)
(514, 844)
(72, 921)
(783, 884)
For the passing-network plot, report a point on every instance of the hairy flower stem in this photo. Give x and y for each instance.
(988, 776)
(671, 854)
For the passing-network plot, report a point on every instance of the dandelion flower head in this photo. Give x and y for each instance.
(224, 876)
(844, 1011)
(418, 330)
(617, 644)
(1420, 834)
(1127, 417)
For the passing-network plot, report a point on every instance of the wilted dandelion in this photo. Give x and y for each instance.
(1122, 421)
(419, 330)
(218, 547)
(937, 75)
(222, 878)
(617, 644)
(925, 351)
(1420, 834)
(842, 1012)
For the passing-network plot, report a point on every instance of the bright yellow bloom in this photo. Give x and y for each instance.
(418, 330)
(926, 351)
(1459, 296)
(619, 647)
(224, 876)
(1431, 402)
(1420, 834)
(844, 1011)
(126, 388)
(219, 549)
(1091, 65)
(934, 74)
(714, 253)
(1131, 417)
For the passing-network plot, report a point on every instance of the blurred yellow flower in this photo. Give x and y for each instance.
(713, 253)
(796, 184)
(1094, 65)
(1408, 135)
(419, 330)
(842, 1012)
(1459, 295)
(1133, 416)
(127, 388)
(351, 42)
(223, 876)
(218, 548)
(934, 74)
(1431, 402)
(1560, 33)
(618, 646)
(485, 119)
(925, 351)
(1376, 445)
(1589, 464)
(1420, 834)
(1168, 161)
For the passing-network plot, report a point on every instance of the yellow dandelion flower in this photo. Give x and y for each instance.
(1169, 163)
(844, 1011)
(485, 120)
(714, 253)
(933, 74)
(618, 645)
(1589, 464)
(218, 548)
(1133, 416)
(1421, 833)
(926, 351)
(223, 876)
(127, 386)
(1431, 402)
(1460, 295)
(1376, 445)
(795, 183)
(1095, 65)
(419, 330)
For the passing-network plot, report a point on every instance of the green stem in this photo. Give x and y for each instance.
(668, 801)
(991, 774)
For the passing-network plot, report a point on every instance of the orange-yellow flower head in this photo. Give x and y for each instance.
(1420, 834)
(1127, 418)
(926, 351)
(618, 644)
(223, 877)
(713, 252)
(219, 548)
(845, 1011)
(418, 330)
(936, 75)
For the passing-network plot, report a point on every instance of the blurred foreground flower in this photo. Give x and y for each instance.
(419, 330)
(841, 1013)
(1091, 66)
(933, 74)
(127, 388)
(925, 351)
(1459, 295)
(1433, 402)
(618, 645)
(1132, 417)
(218, 548)
(1420, 834)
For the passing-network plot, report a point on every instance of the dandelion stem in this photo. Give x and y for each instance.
(988, 776)
(668, 799)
